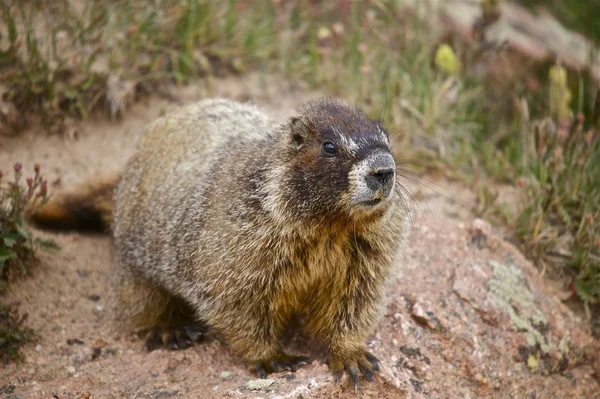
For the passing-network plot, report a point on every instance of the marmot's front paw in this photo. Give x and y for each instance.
(175, 338)
(279, 362)
(360, 362)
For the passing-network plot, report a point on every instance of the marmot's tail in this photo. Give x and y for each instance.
(87, 209)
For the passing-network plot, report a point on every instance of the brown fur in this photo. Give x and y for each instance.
(248, 222)
(87, 208)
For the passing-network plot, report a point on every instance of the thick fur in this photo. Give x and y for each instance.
(89, 208)
(247, 222)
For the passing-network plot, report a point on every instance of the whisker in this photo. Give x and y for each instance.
(416, 179)
(384, 109)
(419, 207)
(411, 215)
(408, 196)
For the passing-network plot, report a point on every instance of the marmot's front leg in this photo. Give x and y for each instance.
(255, 337)
(345, 322)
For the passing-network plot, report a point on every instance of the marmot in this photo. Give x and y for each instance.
(227, 219)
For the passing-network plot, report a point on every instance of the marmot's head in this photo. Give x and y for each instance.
(340, 161)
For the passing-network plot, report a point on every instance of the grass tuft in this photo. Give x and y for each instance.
(13, 333)
(17, 248)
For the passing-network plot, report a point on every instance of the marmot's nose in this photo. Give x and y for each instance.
(378, 178)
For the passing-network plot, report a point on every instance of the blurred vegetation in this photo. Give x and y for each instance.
(17, 247)
(580, 16)
(13, 334)
(65, 59)
(17, 244)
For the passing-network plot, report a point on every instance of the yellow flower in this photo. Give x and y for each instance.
(532, 362)
(446, 60)
(323, 33)
(560, 95)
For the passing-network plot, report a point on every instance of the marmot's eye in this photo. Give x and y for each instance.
(329, 149)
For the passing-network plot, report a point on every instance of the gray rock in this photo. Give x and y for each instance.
(255, 385)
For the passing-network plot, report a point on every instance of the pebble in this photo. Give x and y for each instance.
(71, 369)
(480, 225)
(225, 375)
(255, 385)
(38, 348)
(395, 342)
(99, 308)
(82, 273)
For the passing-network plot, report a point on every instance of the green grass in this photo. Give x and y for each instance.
(101, 56)
(13, 333)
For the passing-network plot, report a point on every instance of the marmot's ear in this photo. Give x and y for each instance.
(298, 131)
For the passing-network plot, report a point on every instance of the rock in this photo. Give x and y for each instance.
(82, 273)
(480, 231)
(255, 385)
(420, 311)
(470, 285)
(225, 375)
(97, 348)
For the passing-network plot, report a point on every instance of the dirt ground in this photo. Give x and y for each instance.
(468, 317)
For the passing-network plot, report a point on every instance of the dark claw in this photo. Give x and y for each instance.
(195, 332)
(154, 341)
(366, 372)
(260, 371)
(175, 338)
(337, 376)
(183, 342)
(373, 360)
(298, 362)
(279, 363)
(171, 341)
(276, 367)
(353, 371)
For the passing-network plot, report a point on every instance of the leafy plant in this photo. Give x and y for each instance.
(13, 334)
(17, 244)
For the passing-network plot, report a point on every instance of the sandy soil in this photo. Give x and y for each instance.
(457, 326)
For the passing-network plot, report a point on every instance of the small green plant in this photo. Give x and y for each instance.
(17, 249)
(17, 244)
(13, 333)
